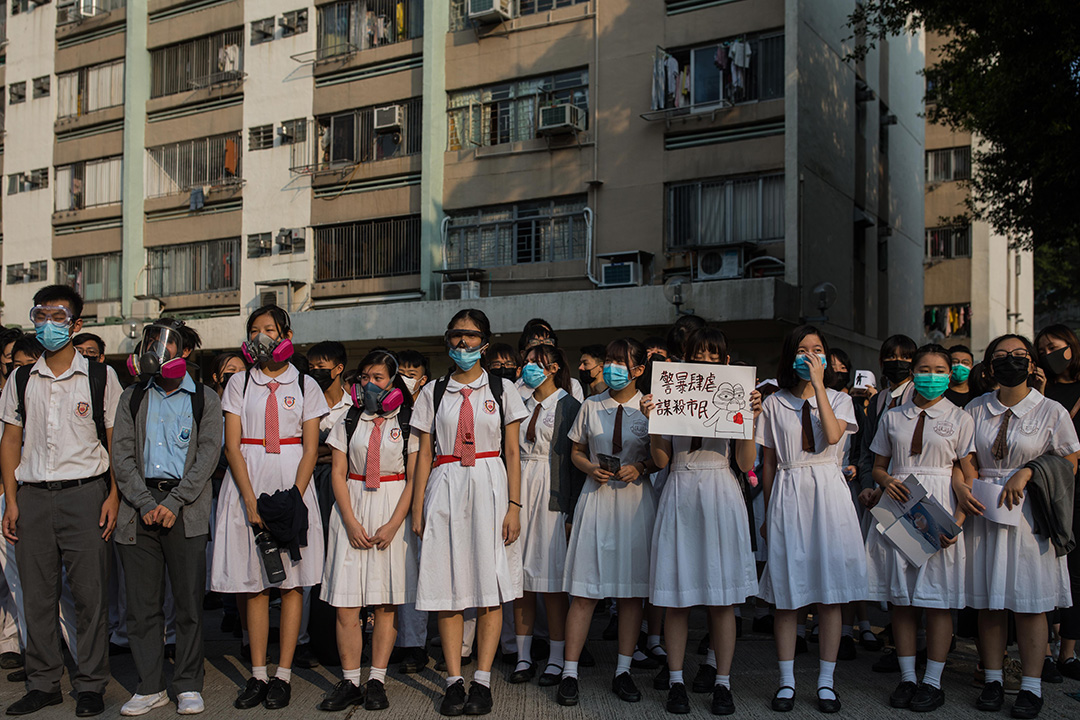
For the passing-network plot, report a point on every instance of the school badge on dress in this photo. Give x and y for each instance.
(290, 401)
(489, 407)
(82, 409)
(945, 429)
(395, 434)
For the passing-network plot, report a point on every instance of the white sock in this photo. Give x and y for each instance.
(645, 626)
(260, 673)
(639, 656)
(675, 676)
(800, 631)
(864, 626)
(710, 658)
(997, 676)
(1032, 685)
(569, 669)
(653, 643)
(524, 651)
(907, 668)
(555, 655)
(377, 674)
(482, 677)
(932, 676)
(825, 680)
(724, 680)
(450, 680)
(624, 665)
(787, 679)
(352, 676)
(284, 674)
(845, 631)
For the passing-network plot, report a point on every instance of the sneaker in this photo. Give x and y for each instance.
(902, 695)
(722, 701)
(678, 702)
(1027, 705)
(927, 698)
(568, 692)
(1050, 673)
(479, 702)
(623, 686)
(847, 648)
(992, 697)
(1014, 673)
(1070, 668)
(189, 703)
(453, 702)
(142, 704)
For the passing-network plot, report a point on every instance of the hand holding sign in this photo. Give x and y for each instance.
(703, 400)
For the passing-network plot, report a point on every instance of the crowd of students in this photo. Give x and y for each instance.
(506, 485)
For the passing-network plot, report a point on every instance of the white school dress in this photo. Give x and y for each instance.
(543, 531)
(237, 565)
(948, 436)
(526, 392)
(701, 551)
(359, 577)
(1012, 568)
(464, 563)
(613, 521)
(816, 551)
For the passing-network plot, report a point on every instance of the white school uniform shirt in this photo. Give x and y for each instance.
(60, 439)
(337, 412)
(1039, 426)
(391, 457)
(595, 427)
(486, 431)
(948, 436)
(527, 392)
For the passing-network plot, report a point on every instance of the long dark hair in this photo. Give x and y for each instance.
(626, 350)
(706, 340)
(988, 367)
(1065, 334)
(222, 360)
(785, 372)
(547, 354)
(388, 360)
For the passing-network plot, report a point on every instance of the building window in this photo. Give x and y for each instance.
(206, 61)
(262, 30)
(260, 245)
(89, 184)
(387, 247)
(90, 89)
(352, 137)
(200, 267)
(529, 232)
(743, 69)
(95, 277)
(507, 112)
(459, 15)
(724, 211)
(290, 242)
(77, 10)
(945, 243)
(179, 167)
(294, 131)
(948, 164)
(354, 25)
(293, 23)
(25, 182)
(261, 137)
(41, 87)
(36, 271)
(18, 93)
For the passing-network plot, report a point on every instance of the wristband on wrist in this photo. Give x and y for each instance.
(516, 504)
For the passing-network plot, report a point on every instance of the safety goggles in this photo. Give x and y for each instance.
(58, 314)
(454, 338)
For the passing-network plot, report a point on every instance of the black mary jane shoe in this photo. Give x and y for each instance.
(550, 679)
(524, 675)
(780, 704)
(828, 705)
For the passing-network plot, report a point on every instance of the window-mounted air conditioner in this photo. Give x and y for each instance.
(561, 119)
(467, 290)
(491, 11)
(389, 118)
(620, 274)
(719, 264)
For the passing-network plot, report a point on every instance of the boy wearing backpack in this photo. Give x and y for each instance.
(166, 446)
(61, 501)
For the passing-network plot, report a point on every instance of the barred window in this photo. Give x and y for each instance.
(354, 25)
(262, 30)
(725, 210)
(294, 23)
(944, 243)
(89, 89)
(294, 131)
(28, 181)
(89, 184)
(198, 63)
(459, 16)
(387, 247)
(200, 267)
(260, 245)
(179, 167)
(350, 137)
(95, 277)
(528, 232)
(261, 137)
(948, 164)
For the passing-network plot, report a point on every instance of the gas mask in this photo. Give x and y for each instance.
(376, 400)
(263, 348)
(161, 352)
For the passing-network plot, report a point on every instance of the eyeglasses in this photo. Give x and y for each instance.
(41, 314)
(500, 365)
(1017, 353)
(91, 354)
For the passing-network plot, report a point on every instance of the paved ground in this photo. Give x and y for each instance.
(862, 692)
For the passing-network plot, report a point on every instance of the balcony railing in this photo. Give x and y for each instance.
(206, 61)
(372, 249)
(74, 11)
(354, 25)
(210, 266)
(180, 167)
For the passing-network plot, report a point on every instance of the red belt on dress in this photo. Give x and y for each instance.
(384, 478)
(262, 441)
(447, 459)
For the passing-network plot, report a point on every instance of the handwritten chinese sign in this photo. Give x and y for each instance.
(699, 400)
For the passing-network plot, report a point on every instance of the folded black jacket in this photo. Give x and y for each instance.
(1051, 492)
(284, 515)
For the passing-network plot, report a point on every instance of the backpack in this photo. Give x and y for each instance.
(198, 400)
(352, 418)
(496, 392)
(98, 375)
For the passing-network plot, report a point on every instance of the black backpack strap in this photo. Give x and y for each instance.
(247, 379)
(404, 416)
(352, 419)
(22, 378)
(198, 402)
(496, 386)
(98, 378)
(138, 392)
(437, 396)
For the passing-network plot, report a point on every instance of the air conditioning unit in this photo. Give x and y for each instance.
(467, 290)
(272, 297)
(620, 274)
(389, 118)
(149, 308)
(491, 11)
(561, 119)
(719, 264)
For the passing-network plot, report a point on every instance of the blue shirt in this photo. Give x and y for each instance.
(169, 429)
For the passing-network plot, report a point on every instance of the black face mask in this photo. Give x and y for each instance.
(843, 377)
(1055, 362)
(322, 377)
(896, 371)
(1010, 371)
(225, 379)
(586, 377)
(507, 373)
(9, 368)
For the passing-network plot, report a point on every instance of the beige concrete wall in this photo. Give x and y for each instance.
(192, 228)
(367, 205)
(87, 243)
(206, 124)
(89, 148)
(193, 24)
(94, 52)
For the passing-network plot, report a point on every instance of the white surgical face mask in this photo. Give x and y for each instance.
(410, 383)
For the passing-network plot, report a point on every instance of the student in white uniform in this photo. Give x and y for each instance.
(550, 485)
(271, 441)
(816, 552)
(701, 549)
(371, 554)
(932, 439)
(1012, 568)
(613, 520)
(466, 505)
(538, 332)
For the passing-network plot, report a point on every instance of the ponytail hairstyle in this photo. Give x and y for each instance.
(544, 355)
(388, 360)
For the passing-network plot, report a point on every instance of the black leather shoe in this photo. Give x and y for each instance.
(780, 704)
(343, 695)
(552, 678)
(33, 701)
(523, 676)
(870, 641)
(253, 694)
(11, 660)
(828, 705)
(586, 659)
(17, 675)
(375, 696)
(479, 702)
(1050, 673)
(705, 678)
(568, 692)
(90, 704)
(453, 702)
(846, 650)
(623, 686)
(902, 695)
(678, 702)
(887, 663)
(647, 663)
(1027, 705)
(1070, 668)
(304, 657)
(992, 697)
(413, 660)
(278, 694)
(927, 698)
(722, 701)
(662, 680)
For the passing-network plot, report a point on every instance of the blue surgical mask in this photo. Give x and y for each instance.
(616, 377)
(931, 385)
(465, 359)
(53, 336)
(533, 375)
(802, 365)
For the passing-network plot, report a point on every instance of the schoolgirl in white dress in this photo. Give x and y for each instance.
(371, 553)
(466, 506)
(816, 551)
(271, 442)
(613, 520)
(932, 439)
(701, 549)
(1012, 568)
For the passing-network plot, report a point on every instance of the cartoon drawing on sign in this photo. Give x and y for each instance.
(730, 400)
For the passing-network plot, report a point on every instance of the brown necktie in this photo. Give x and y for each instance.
(695, 444)
(808, 444)
(916, 437)
(530, 432)
(1000, 443)
(895, 402)
(616, 435)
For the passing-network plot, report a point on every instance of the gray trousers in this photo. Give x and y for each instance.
(158, 551)
(61, 527)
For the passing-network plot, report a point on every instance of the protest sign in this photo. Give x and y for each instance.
(702, 400)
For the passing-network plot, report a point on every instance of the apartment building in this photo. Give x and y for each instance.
(977, 287)
(374, 165)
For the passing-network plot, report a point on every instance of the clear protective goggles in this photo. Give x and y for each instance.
(454, 338)
(162, 343)
(58, 314)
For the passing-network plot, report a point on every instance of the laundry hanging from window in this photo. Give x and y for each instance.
(948, 319)
(728, 72)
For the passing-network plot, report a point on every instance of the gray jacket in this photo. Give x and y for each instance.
(1050, 493)
(192, 495)
(566, 479)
